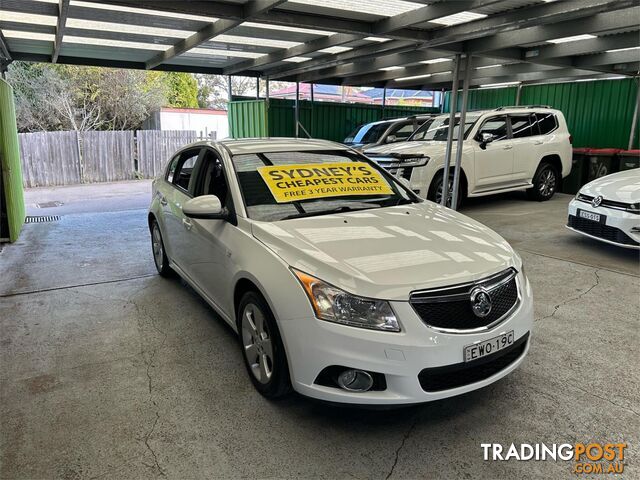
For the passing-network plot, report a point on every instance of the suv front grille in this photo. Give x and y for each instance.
(461, 374)
(597, 229)
(449, 309)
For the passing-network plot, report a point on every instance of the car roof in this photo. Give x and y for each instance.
(275, 144)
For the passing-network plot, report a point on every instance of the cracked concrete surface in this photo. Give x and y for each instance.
(133, 376)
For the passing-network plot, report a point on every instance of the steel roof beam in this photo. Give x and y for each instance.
(600, 44)
(526, 17)
(357, 54)
(426, 14)
(4, 48)
(531, 18)
(275, 17)
(63, 12)
(302, 49)
(504, 76)
(586, 61)
(416, 70)
(249, 10)
(397, 22)
(602, 22)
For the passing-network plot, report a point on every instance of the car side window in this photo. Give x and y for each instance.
(547, 122)
(404, 131)
(184, 169)
(496, 126)
(520, 126)
(211, 179)
(171, 168)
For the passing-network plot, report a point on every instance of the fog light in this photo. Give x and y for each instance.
(355, 380)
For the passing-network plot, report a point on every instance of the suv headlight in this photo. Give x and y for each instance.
(335, 305)
(409, 160)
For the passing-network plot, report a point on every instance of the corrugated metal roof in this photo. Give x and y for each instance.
(324, 40)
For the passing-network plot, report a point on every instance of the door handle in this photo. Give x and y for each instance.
(539, 142)
(507, 147)
(187, 224)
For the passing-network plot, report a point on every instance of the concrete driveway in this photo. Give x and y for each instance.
(110, 371)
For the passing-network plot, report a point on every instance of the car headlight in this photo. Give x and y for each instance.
(401, 160)
(335, 305)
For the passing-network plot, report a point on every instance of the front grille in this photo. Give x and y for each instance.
(450, 308)
(600, 230)
(605, 203)
(461, 374)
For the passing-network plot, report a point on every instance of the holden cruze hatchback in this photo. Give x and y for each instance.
(342, 284)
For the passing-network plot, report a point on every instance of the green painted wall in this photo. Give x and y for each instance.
(484, 98)
(248, 118)
(598, 113)
(327, 120)
(10, 159)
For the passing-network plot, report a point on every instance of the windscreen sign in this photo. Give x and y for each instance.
(290, 183)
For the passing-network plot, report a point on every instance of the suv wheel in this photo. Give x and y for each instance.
(262, 347)
(545, 182)
(436, 189)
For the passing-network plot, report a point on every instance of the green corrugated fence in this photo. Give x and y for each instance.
(11, 191)
(599, 113)
(327, 120)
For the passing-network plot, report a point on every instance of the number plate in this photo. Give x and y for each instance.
(594, 217)
(493, 345)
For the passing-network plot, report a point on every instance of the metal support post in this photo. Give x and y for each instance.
(463, 115)
(453, 103)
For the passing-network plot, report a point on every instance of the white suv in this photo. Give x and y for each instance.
(506, 149)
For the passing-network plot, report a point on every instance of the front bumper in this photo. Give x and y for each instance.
(313, 345)
(617, 229)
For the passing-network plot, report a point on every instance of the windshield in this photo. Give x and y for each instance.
(438, 129)
(260, 198)
(369, 133)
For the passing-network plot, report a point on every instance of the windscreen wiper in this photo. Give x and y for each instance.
(316, 213)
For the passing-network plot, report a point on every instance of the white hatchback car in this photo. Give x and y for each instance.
(608, 209)
(504, 150)
(340, 282)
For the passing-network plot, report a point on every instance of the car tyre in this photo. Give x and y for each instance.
(262, 348)
(436, 187)
(159, 252)
(545, 182)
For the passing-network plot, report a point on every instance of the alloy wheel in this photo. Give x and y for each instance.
(547, 182)
(256, 340)
(158, 251)
(439, 190)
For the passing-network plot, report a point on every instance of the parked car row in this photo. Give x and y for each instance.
(342, 281)
(506, 149)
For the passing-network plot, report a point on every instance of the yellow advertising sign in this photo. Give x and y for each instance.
(289, 183)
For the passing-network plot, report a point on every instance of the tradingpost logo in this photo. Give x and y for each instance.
(586, 458)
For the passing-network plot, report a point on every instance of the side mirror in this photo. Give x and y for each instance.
(206, 207)
(484, 139)
(391, 139)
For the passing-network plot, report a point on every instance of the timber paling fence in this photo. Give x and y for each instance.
(68, 158)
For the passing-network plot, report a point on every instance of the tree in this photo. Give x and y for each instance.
(63, 97)
(183, 89)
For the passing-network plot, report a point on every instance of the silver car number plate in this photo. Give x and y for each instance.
(493, 345)
(594, 217)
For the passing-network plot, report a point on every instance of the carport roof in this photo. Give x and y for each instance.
(392, 43)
